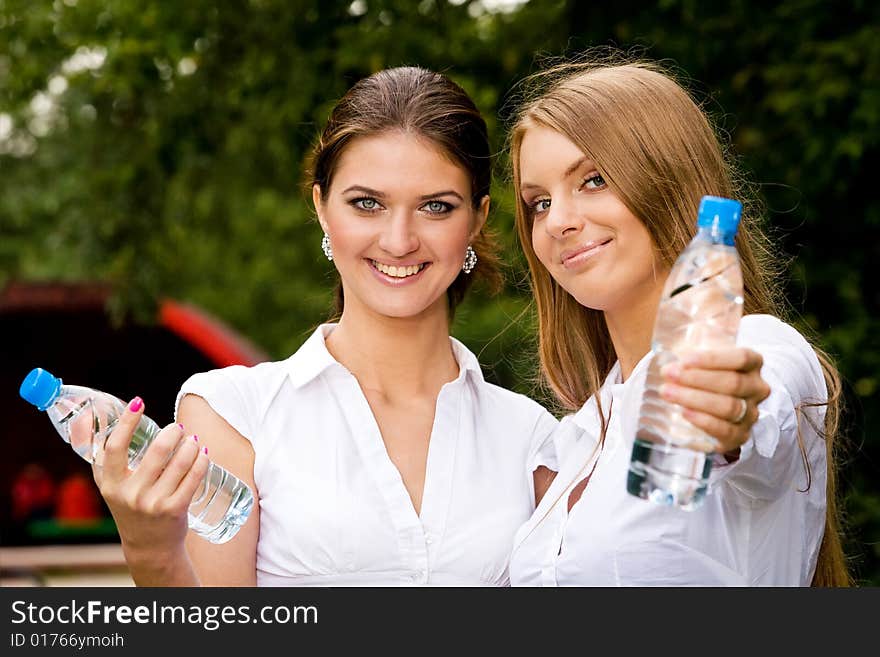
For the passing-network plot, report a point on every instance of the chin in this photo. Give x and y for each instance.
(401, 311)
(592, 300)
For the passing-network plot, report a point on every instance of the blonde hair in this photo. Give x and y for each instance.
(659, 153)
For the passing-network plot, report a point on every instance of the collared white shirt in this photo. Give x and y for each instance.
(333, 507)
(759, 525)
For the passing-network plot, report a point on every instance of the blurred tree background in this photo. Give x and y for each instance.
(160, 146)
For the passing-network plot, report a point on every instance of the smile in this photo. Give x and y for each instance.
(578, 256)
(397, 274)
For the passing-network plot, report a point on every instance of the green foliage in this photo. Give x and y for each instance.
(162, 145)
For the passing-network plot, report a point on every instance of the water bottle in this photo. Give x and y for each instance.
(85, 418)
(700, 308)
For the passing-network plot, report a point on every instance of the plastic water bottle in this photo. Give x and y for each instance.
(700, 308)
(85, 417)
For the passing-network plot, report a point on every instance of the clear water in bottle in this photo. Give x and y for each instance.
(700, 308)
(85, 417)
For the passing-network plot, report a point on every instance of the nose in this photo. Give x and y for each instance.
(562, 219)
(398, 237)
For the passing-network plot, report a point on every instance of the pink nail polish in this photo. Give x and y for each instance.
(206, 450)
(135, 404)
(196, 438)
(180, 425)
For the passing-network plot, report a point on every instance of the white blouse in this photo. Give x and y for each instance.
(333, 507)
(760, 524)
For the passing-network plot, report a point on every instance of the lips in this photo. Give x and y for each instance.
(399, 270)
(402, 274)
(582, 253)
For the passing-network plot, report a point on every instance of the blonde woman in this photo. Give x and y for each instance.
(610, 162)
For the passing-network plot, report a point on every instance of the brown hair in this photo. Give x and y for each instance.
(658, 152)
(430, 105)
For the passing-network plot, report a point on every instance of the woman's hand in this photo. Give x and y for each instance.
(149, 503)
(720, 390)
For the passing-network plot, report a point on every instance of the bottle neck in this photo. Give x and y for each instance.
(716, 235)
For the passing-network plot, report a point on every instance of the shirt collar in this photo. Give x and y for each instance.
(611, 389)
(467, 361)
(313, 358)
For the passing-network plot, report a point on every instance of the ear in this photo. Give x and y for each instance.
(480, 216)
(318, 202)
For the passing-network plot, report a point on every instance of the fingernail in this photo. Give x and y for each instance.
(180, 425)
(667, 392)
(206, 449)
(671, 370)
(135, 404)
(195, 437)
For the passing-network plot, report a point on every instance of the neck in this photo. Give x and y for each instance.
(397, 358)
(631, 326)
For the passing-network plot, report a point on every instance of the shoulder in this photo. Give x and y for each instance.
(508, 414)
(517, 419)
(238, 394)
(789, 358)
(766, 333)
(236, 377)
(512, 402)
(236, 380)
(493, 399)
(769, 329)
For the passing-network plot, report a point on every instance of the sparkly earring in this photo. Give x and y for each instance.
(325, 247)
(470, 260)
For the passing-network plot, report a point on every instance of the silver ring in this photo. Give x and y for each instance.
(744, 408)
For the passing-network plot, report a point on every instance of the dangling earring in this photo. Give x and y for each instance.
(470, 260)
(325, 247)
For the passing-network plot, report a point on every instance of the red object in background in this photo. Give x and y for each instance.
(197, 327)
(209, 335)
(77, 500)
(66, 328)
(33, 493)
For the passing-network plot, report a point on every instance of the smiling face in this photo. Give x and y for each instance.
(399, 216)
(588, 240)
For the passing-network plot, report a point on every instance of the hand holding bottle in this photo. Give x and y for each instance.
(85, 417)
(700, 308)
(720, 390)
(150, 503)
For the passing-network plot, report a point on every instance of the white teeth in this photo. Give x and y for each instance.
(397, 272)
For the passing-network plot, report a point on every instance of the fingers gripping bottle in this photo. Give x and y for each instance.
(700, 308)
(85, 417)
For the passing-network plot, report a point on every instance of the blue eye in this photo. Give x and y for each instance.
(365, 203)
(593, 181)
(438, 207)
(541, 205)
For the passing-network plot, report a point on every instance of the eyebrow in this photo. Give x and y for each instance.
(570, 170)
(375, 192)
(447, 192)
(364, 190)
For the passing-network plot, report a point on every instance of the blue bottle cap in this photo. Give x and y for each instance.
(40, 388)
(721, 212)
